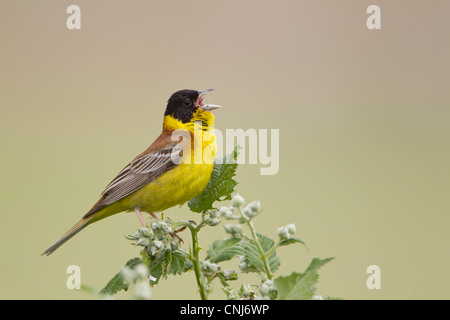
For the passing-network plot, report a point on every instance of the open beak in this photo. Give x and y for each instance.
(205, 107)
(209, 107)
(203, 92)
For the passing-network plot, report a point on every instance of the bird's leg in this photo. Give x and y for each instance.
(154, 215)
(139, 215)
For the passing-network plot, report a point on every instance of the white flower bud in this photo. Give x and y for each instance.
(228, 214)
(264, 289)
(237, 201)
(156, 247)
(141, 271)
(243, 266)
(269, 283)
(234, 230)
(255, 206)
(165, 228)
(144, 242)
(228, 228)
(142, 291)
(155, 226)
(214, 222)
(144, 231)
(213, 213)
(128, 274)
(205, 265)
(230, 274)
(248, 212)
(283, 233)
(157, 244)
(222, 210)
(214, 268)
(207, 219)
(209, 268)
(246, 292)
(291, 228)
(135, 236)
(162, 227)
(225, 209)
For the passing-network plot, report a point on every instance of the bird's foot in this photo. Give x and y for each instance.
(175, 235)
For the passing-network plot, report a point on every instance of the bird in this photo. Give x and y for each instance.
(174, 169)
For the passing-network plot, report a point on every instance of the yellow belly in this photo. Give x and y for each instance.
(174, 187)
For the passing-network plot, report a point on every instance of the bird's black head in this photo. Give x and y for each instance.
(182, 104)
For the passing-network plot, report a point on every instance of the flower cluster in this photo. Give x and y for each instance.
(138, 276)
(245, 213)
(156, 239)
(245, 292)
(210, 269)
(286, 232)
(234, 230)
(244, 266)
(211, 217)
(266, 290)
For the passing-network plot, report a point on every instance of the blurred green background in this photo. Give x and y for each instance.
(364, 119)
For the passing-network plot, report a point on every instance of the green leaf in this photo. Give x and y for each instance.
(222, 250)
(220, 186)
(300, 286)
(291, 241)
(118, 283)
(170, 262)
(180, 262)
(251, 253)
(265, 242)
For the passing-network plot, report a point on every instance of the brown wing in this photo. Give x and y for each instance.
(163, 155)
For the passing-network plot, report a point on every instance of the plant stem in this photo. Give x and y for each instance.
(263, 255)
(196, 260)
(272, 250)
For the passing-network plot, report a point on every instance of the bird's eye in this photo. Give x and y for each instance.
(187, 102)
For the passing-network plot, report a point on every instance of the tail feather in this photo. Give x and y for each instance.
(80, 225)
